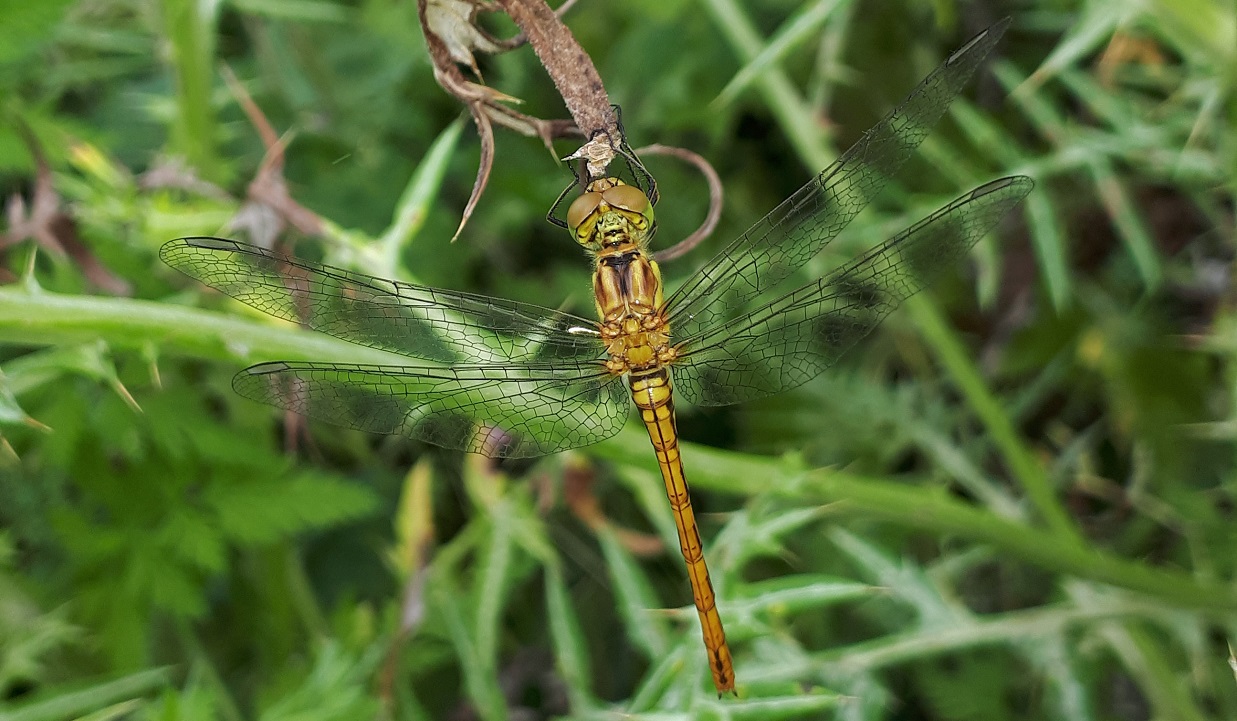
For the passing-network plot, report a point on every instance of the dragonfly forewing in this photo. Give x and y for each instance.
(796, 337)
(512, 411)
(798, 229)
(426, 323)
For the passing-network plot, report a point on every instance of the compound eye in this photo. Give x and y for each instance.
(627, 197)
(581, 208)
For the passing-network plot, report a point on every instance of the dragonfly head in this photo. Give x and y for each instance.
(610, 212)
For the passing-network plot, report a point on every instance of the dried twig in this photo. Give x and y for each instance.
(584, 504)
(269, 210)
(452, 37)
(522, 37)
(173, 173)
(567, 64)
(269, 207)
(578, 82)
(54, 230)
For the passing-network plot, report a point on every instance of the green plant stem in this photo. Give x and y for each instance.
(925, 509)
(794, 115)
(933, 511)
(1149, 662)
(1022, 465)
(301, 593)
(999, 629)
(42, 318)
(189, 27)
(203, 664)
(73, 704)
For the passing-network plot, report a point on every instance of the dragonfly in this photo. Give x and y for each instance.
(511, 380)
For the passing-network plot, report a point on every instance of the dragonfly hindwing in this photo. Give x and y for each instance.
(508, 411)
(794, 338)
(796, 231)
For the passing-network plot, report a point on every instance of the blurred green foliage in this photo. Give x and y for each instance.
(1021, 508)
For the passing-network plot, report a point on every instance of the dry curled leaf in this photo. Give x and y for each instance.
(454, 23)
(453, 38)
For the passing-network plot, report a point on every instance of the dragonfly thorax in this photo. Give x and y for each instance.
(613, 221)
(637, 341)
(627, 290)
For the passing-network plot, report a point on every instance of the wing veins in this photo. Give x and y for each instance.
(418, 321)
(514, 410)
(802, 225)
(802, 333)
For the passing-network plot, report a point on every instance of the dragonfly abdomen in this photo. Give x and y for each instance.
(652, 393)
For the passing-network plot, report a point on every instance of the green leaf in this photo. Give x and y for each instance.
(27, 25)
(570, 651)
(69, 704)
(335, 689)
(259, 511)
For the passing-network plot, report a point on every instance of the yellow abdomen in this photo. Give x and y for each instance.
(653, 396)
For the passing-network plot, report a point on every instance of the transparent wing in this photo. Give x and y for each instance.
(427, 323)
(514, 411)
(804, 223)
(796, 337)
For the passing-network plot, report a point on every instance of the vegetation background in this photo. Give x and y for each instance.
(1015, 501)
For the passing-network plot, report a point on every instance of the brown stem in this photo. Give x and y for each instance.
(520, 38)
(567, 64)
(714, 214)
(270, 205)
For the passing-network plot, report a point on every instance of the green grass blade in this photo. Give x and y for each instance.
(1129, 224)
(796, 31)
(779, 93)
(71, 704)
(1030, 475)
(570, 650)
(189, 28)
(414, 204)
